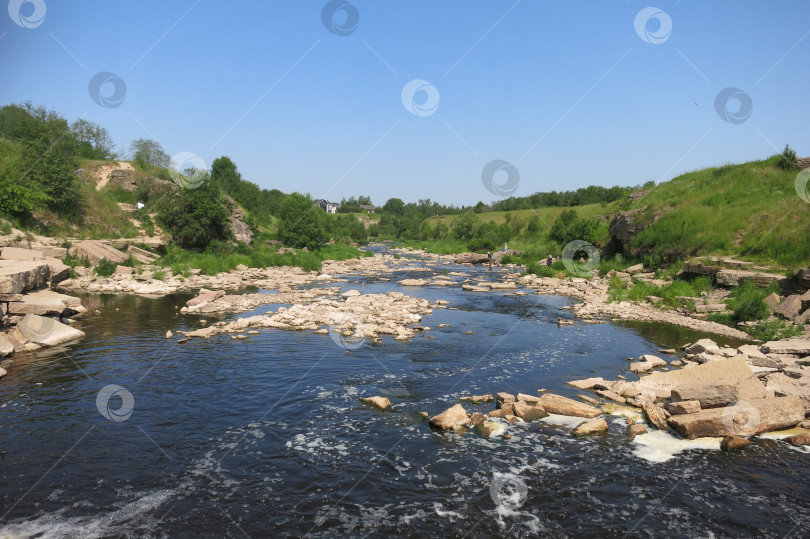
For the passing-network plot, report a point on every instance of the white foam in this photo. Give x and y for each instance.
(440, 511)
(563, 420)
(658, 446)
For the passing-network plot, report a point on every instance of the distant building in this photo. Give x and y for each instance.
(368, 207)
(328, 207)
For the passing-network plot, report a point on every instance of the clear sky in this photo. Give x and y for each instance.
(308, 95)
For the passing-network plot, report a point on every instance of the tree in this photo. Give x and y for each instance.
(18, 193)
(94, 141)
(301, 223)
(196, 217)
(787, 160)
(394, 206)
(150, 152)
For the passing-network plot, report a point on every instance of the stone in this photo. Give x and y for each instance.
(477, 398)
(205, 297)
(708, 395)
(142, 255)
(241, 267)
(556, 404)
(634, 430)
(703, 345)
(637, 268)
(647, 363)
(379, 402)
(591, 427)
(96, 250)
(169, 334)
(683, 407)
(6, 348)
(734, 371)
(751, 351)
(18, 276)
(589, 400)
(800, 347)
(44, 302)
(782, 385)
(350, 293)
(502, 398)
(655, 414)
(772, 301)
(121, 271)
(667, 351)
(59, 270)
(528, 412)
(731, 443)
(608, 394)
(790, 307)
(530, 399)
(587, 383)
(800, 439)
(730, 277)
(453, 417)
(18, 253)
(412, 282)
(488, 428)
(45, 331)
(744, 418)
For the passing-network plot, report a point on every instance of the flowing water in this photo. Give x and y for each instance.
(266, 436)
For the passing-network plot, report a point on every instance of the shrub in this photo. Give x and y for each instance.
(747, 301)
(787, 159)
(301, 223)
(105, 267)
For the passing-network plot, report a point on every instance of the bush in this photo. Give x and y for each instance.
(105, 267)
(538, 269)
(196, 217)
(301, 223)
(787, 159)
(747, 301)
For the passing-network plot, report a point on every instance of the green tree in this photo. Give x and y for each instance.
(94, 141)
(301, 223)
(787, 160)
(18, 193)
(197, 217)
(149, 152)
(394, 206)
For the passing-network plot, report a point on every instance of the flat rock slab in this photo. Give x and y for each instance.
(44, 302)
(45, 331)
(97, 250)
(17, 276)
(556, 404)
(18, 253)
(799, 347)
(734, 371)
(413, 282)
(746, 418)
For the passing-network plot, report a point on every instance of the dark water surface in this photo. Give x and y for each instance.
(266, 436)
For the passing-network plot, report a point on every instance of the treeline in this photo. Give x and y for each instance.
(593, 194)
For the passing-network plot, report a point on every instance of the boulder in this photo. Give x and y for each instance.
(799, 347)
(59, 271)
(477, 398)
(471, 258)
(591, 427)
(122, 271)
(744, 418)
(488, 428)
(708, 395)
(453, 417)
(379, 402)
(637, 268)
(205, 296)
(634, 430)
(44, 302)
(703, 345)
(531, 399)
(528, 412)
(782, 385)
(556, 404)
(730, 443)
(751, 351)
(18, 276)
(789, 308)
(142, 255)
(412, 282)
(588, 399)
(800, 439)
(587, 383)
(772, 301)
(731, 277)
(95, 251)
(18, 253)
(44, 331)
(350, 293)
(647, 363)
(655, 414)
(804, 277)
(608, 394)
(6, 348)
(503, 398)
(734, 371)
(683, 407)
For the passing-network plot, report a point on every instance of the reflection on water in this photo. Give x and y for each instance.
(266, 436)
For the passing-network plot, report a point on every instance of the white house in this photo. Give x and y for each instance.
(328, 207)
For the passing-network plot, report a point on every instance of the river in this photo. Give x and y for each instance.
(266, 436)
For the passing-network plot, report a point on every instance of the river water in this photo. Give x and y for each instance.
(266, 437)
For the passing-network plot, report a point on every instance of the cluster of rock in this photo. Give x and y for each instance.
(360, 316)
(29, 309)
(720, 392)
(477, 258)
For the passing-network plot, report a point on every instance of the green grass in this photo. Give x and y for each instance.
(619, 290)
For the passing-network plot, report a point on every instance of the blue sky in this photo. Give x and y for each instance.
(566, 91)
